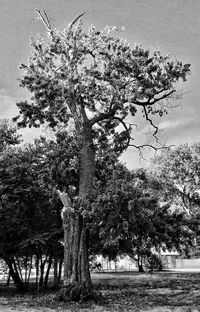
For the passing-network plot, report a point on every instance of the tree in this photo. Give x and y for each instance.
(27, 205)
(8, 134)
(109, 226)
(178, 170)
(128, 217)
(93, 81)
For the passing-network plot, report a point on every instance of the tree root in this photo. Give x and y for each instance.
(78, 292)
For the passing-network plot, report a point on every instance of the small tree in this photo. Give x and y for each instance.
(8, 134)
(29, 213)
(178, 170)
(93, 81)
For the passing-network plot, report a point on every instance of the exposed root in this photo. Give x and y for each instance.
(78, 292)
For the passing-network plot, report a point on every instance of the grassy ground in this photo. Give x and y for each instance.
(158, 292)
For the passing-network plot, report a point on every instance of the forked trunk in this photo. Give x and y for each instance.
(77, 281)
(20, 286)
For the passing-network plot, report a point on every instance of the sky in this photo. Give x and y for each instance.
(173, 26)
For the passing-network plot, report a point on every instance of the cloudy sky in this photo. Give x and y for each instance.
(172, 25)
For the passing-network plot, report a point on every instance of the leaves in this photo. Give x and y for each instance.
(8, 134)
(95, 76)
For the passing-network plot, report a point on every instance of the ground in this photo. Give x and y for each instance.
(128, 291)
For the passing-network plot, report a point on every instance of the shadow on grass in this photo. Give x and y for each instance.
(123, 289)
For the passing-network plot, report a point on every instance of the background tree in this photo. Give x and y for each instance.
(178, 170)
(94, 81)
(29, 212)
(8, 134)
(129, 218)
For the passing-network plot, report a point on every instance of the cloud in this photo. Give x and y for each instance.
(169, 124)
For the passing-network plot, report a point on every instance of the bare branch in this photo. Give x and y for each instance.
(76, 19)
(166, 95)
(47, 18)
(155, 148)
(44, 18)
(149, 102)
(151, 123)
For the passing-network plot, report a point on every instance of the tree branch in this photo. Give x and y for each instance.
(149, 102)
(126, 129)
(151, 146)
(164, 96)
(140, 147)
(103, 116)
(151, 123)
(76, 19)
(44, 18)
(67, 204)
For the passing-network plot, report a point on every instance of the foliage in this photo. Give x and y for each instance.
(8, 134)
(178, 170)
(129, 219)
(98, 77)
(29, 212)
(91, 83)
(153, 263)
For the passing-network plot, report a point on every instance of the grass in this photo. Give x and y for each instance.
(128, 291)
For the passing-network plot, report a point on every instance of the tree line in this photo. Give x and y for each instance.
(136, 213)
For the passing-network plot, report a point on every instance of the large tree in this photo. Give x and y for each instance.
(92, 82)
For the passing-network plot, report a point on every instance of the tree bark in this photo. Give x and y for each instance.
(55, 271)
(8, 279)
(37, 271)
(77, 281)
(30, 268)
(42, 266)
(15, 275)
(140, 265)
(60, 271)
(48, 271)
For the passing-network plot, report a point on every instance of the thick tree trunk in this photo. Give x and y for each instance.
(77, 281)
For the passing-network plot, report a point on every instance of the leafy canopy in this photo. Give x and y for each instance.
(93, 76)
